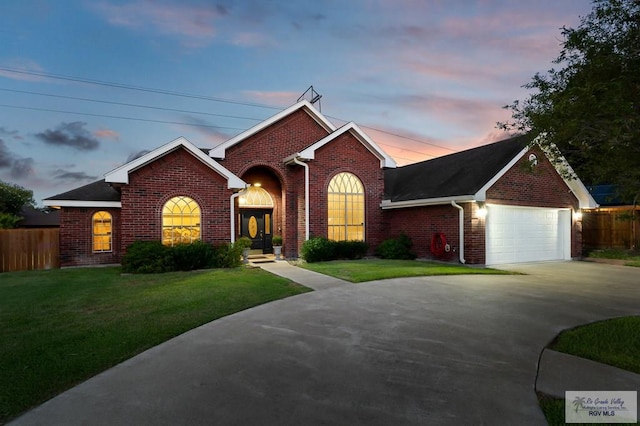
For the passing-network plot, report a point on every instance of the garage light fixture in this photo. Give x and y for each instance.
(577, 215)
(481, 213)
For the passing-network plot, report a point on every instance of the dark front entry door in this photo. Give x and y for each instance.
(256, 224)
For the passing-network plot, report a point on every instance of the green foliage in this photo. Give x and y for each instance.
(13, 197)
(276, 240)
(153, 257)
(227, 256)
(320, 249)
(396, 248)
(349, 249)
(147, 257)
(189, 257)
(243, 243)
(8, 220)
(589, 107)
(317, 249)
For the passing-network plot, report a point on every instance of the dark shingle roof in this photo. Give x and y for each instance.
(96, 191)
(34, 218)
(462, 173)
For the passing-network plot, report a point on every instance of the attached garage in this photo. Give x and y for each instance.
(517, 234)
(500, 203)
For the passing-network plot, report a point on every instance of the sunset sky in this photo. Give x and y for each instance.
(86, 85)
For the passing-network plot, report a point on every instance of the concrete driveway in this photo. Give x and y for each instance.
(440, 350)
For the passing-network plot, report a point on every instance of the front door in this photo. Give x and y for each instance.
(256, 224)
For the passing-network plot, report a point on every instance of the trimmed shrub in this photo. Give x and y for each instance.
(197, 255)
(349, 249)
(227, 255)
(147, 257)
(320, 249)
(317, 249)
(396, 248)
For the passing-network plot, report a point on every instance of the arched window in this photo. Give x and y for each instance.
(345, 208)
(180, 221)
(102, 236)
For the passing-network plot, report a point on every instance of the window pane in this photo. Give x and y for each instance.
(180, 221)
(102, 231)
(345, 208)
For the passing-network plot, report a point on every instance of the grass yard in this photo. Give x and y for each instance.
(358, 271)
(60, 327)
(615, 342)
(632, 257)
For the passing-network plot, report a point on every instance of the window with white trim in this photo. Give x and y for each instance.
(180, 221)
(102, 225)
(345, 208)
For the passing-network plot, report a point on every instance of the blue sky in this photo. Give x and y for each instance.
(85, 85)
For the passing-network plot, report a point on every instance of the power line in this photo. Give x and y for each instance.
(118, 117)
(128, 104)
(137, 88)
(171, 93)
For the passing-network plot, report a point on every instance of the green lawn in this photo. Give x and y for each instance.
(60, 327)
(631, 256)
(358, 271)
(615, 342)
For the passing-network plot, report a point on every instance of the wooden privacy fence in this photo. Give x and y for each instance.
(27, 249)
(615, 227)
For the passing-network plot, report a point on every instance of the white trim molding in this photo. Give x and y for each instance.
(121, 174)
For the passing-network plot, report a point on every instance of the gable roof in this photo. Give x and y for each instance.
(463, 176)
(95, 194)
(121, 174)
(385, 161)
(220, 150)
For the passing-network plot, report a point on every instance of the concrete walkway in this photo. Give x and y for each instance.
(425, 350)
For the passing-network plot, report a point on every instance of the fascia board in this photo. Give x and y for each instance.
(385, 161)
(388, 204)
(79, 203)
(121, 174)
(220, 150)
(481, 195)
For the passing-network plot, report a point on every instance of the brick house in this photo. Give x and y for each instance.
(298, 176)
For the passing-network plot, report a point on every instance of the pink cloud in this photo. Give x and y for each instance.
(22, 64)
(192, 24)
(107, 134)
(252, 39)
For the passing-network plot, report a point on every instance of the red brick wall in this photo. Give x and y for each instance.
(177, 173)
(347, 154)
(539, 186)
(76, 237)
(266, 150)
(421, 223)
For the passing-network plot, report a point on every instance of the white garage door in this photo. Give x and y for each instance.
(527, 234)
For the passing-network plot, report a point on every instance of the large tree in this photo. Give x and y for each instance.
(12, 198)
(589, 107)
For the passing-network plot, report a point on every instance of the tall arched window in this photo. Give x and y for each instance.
(345, 208)
(102, 236)
(180, 221)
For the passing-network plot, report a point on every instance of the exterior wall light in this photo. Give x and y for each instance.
(481, 213)
(577, 215)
